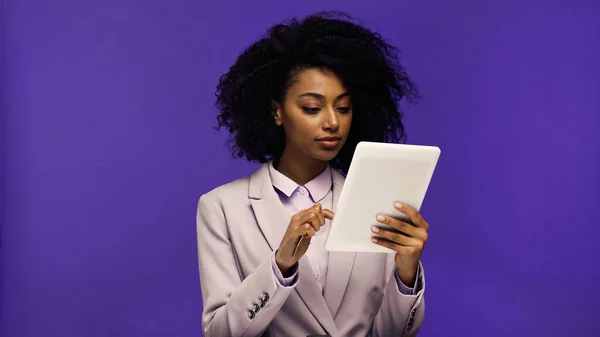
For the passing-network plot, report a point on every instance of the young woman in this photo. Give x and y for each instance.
(299, 100)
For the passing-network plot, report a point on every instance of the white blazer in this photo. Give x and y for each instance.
(240, 225)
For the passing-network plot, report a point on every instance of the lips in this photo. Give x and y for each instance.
(329, 139)
(329, 143)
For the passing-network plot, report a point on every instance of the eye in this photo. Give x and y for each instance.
(344, 109)
(312, 110)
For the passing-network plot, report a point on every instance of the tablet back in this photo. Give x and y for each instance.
(380, 174)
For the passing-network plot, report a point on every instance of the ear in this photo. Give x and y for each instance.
(277, 113)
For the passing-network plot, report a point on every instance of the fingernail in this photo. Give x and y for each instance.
(375, 229)
(374, 239)
(398, 205)
(380, 218)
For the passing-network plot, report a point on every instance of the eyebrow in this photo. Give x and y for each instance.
(319, 96)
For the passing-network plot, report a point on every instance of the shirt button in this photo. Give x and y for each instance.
(316, 276)
(302, 190)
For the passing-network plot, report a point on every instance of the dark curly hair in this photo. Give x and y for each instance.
(367, 65)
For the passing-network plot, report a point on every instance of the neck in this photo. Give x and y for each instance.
(300, 170)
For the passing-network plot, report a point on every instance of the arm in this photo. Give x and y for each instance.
(400, 314)
(285, 281)
(404, 289)
(232, 306)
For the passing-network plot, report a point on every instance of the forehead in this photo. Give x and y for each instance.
(318, 81)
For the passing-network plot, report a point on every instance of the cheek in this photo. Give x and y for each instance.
(346, 122)
(300, 127)
(304, 124)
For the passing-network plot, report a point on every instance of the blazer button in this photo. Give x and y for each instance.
(262, 303)
(265, 297)
(251, 314)
(255, 308)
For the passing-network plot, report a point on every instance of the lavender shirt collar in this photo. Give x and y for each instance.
(317, 188)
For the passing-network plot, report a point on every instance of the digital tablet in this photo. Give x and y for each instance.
(379, 175)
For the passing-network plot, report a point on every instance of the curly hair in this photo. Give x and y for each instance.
(366, 64)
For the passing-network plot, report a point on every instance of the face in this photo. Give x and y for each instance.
(316, 116)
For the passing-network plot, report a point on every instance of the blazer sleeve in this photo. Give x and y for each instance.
(232, 306)
(400, 314)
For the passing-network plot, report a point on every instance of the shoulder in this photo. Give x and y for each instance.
(242, 189)
(232, 190)
(218, 204)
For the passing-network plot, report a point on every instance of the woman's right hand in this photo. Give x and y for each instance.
(304, 224)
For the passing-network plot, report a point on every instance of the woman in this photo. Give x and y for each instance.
(299, 100)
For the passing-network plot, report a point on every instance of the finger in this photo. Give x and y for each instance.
(403, 226)
(306, 230)
(327, 214)
(397, 238)
(303, 217)
(385, 243)
(414, 216)
(309, 219)
(315, 216)
(320, 215)
(315, 220)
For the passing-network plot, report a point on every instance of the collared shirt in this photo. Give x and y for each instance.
(295, 198)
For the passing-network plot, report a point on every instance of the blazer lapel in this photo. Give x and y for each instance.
(339, 264)
(267, 207)
(273, 221)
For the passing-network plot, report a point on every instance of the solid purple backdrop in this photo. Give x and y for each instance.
(107, 143)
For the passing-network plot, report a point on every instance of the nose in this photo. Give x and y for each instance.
(331, 121)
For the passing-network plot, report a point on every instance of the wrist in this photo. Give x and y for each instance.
(408, 276)
(284, 268)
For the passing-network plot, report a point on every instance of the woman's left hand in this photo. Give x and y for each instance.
(408, 243)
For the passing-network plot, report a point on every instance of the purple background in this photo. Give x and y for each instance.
(107, 143)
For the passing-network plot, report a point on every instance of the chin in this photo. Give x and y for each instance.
(325, 155)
